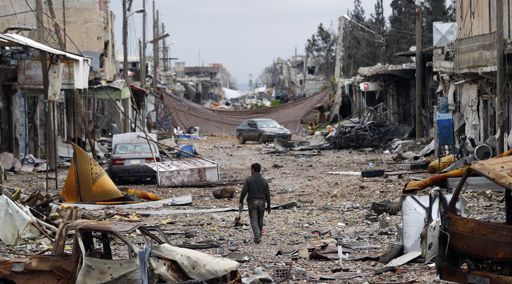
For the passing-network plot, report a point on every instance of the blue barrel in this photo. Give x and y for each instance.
(445, 135)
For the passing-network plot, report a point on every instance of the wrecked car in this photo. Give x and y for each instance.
(130, 153)
(472, 250)
(100, 252)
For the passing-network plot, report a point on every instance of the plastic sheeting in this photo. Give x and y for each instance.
(186, 114)
(231, 94)
(17, 222)
(469, 108)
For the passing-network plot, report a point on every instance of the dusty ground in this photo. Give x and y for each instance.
(328, 203)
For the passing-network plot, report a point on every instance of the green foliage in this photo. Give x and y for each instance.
(402, 30)
(330, 87)
(276, 102)
(362, 42)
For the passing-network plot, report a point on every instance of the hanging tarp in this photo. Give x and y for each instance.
(186, 114)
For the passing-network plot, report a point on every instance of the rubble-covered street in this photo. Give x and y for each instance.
(249, 142)
(328, 207)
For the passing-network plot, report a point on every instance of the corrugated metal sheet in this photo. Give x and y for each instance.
(186, 114)
(191, 171)
(498, 170)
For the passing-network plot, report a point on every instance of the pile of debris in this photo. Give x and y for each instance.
(361, 135)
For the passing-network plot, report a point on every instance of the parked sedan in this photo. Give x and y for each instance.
(261, 130)
(127, 162)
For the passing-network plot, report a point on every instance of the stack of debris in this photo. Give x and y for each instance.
(361, 135)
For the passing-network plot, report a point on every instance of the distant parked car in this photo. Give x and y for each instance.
(250, 99)
(128, 157)
(261, 130)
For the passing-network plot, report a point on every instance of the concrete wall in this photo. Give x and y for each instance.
(88, 25)
(477, 17)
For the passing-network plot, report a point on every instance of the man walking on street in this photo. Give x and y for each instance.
(258, 193)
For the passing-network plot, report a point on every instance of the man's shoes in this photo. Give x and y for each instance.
(257, 241)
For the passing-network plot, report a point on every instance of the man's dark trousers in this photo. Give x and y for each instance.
(256, 213)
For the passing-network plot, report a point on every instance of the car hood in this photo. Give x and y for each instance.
(276, 130)
(134, 156)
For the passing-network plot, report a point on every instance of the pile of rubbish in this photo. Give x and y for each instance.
(360, 135)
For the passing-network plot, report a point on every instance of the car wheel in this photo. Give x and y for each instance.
(241, 139)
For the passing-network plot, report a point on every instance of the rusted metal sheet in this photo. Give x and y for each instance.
(186, 114)
(480, 239)
(191, 171)
(39, 269)
(484, 247)
(475, 277)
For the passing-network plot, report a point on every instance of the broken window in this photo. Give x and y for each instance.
(104, 245)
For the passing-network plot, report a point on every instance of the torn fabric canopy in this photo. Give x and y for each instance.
(87, 181)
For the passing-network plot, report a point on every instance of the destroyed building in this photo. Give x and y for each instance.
(78, 34)
(292, 77)
(467, 68)
(202, 83)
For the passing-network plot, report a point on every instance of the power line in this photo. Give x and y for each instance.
(15, 14)
(60, 27)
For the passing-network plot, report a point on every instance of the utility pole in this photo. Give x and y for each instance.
(126, 102)
(155, 46)
(419, 69)
(50, 141)
(143, 53)
(500, 78)
(164, 50)
(338, 68)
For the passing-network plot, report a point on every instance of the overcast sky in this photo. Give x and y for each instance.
(245, 36)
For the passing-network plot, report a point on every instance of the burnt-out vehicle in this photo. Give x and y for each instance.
(104, 252)
(473, 250)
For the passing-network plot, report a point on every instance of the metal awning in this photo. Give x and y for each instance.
(81, 65)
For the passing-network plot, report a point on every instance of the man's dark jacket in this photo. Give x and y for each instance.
(255, 187)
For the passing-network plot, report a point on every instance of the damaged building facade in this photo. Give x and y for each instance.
(82, 28)
(292, 77)
(201, 83)
(467, 68)
(459, 68)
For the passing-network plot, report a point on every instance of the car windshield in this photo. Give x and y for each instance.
(138, 148)
(267, 124)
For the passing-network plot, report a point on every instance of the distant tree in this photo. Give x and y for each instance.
(377, 23)
(452, 10)
(322, 48)
(433, 11)
(402, 30)
(355, 41)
